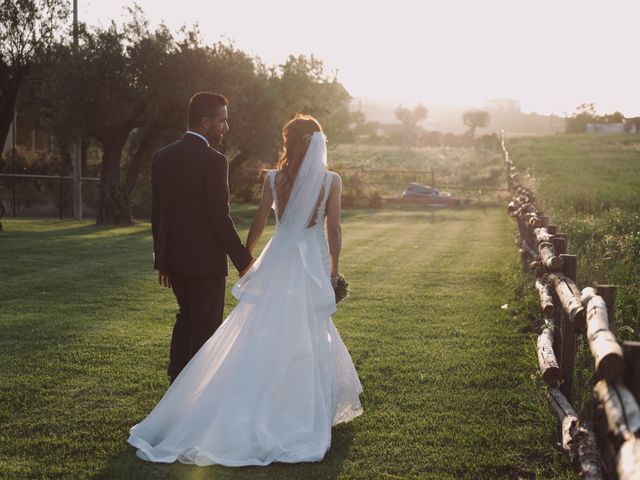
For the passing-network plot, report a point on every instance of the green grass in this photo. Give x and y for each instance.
(580, 172)
(590, 186)
(449, 391)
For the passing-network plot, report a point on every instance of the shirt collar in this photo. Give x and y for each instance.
(199, 135)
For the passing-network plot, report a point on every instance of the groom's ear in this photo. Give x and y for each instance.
(205, 122)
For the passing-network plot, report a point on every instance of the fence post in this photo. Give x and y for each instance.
(77, 180)
(13, 157)
(570, 269)
(631, 352)
(61, 197)
(545, 221)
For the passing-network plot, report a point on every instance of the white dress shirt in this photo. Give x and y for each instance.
(199, 135)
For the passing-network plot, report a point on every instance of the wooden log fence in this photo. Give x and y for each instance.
(607, 445)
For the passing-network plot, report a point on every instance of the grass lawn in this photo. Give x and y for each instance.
(449, 388)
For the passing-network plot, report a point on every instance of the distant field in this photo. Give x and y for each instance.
(588, 174)
(465, 168)
(590, 186)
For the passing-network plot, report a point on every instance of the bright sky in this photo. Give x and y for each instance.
(550, 54)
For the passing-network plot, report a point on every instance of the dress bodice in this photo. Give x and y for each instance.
(321, 209)
(315, 230)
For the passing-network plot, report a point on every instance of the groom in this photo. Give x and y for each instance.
(192, 230)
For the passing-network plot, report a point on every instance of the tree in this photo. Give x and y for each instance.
(410, 119)
(136, 84)
(27, 30)
(586, 113)
(124, 77)
(475, 119)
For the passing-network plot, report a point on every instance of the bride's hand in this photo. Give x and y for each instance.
(334, 280)
(247, 267)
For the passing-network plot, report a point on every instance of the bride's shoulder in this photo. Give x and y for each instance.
(334, 176)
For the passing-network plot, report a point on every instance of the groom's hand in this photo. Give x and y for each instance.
(247, 267)
(164, 280)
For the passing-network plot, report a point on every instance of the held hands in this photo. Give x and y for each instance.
(163, 279)
(247, 267)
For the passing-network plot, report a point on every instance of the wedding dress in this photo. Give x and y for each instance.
(276, 376)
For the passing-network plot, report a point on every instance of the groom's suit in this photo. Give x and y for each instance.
(192, 235)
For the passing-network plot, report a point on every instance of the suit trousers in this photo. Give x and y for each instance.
(201, 302)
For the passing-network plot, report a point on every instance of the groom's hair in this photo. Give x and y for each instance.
(204, 104)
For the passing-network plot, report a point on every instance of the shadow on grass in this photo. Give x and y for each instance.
(125, 464)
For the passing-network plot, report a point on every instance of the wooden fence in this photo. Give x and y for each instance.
(607, 445)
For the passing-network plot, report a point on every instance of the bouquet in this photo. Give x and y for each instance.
(341, 289)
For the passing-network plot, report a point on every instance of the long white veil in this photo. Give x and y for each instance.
(292, 256)
(307, 185)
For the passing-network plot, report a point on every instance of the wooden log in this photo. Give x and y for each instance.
(607, 353)
(569, 296)
(549, 369)
(621, 409)
(548, 257)
(534, 221)
(578, 441)
(542, 235)
(546, 299)
(631, 351)
(628, 460)
(608, 293)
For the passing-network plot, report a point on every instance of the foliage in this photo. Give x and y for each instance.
(409, 119)
(475, 119)
(27, 30)
(586, 113)
(136, 83)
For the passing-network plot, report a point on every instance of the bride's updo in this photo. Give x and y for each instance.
(296, 135)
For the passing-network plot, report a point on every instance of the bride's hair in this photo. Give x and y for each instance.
(296, 135)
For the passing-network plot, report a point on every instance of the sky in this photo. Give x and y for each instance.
(551, 55)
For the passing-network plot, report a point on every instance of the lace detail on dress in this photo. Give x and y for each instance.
(322, 199)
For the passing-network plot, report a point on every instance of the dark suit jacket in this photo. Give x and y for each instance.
(192, 230)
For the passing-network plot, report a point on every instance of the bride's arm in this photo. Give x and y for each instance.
(334, 231)
(260, 220)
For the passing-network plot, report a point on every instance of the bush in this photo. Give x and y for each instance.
(375, 200)
(245, 182)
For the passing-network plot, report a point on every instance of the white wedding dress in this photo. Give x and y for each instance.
(276, 376)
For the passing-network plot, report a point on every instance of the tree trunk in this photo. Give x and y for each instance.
(142, 156)
(84, 155)
(11, 79)
(7, 108)
(113, 205)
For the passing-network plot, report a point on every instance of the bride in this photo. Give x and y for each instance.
(276, 376)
